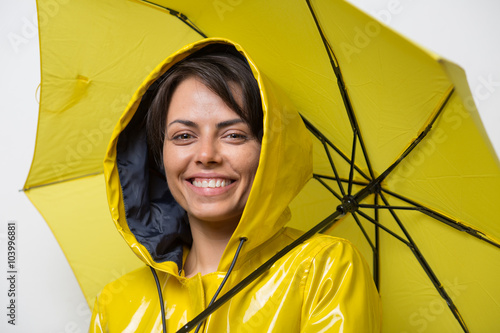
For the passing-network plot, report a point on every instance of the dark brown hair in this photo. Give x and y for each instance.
(217, 67)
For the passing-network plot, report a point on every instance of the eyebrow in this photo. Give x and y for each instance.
(229, 123)
(183, 122)
(220, 125)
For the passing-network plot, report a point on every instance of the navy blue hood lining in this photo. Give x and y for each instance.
(157, 221)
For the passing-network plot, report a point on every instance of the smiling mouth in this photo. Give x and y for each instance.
(211, 183)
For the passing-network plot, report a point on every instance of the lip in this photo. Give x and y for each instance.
(209, 191)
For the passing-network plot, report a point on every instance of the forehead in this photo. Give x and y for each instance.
(192, 100)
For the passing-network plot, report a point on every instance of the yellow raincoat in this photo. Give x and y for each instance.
(323, 285)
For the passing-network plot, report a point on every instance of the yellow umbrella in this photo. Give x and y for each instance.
(94, 55)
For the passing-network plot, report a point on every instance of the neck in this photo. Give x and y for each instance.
(209, 242)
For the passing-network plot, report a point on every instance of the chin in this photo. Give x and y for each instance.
(216, 217)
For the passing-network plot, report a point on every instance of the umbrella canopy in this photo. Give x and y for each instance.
(404, 116)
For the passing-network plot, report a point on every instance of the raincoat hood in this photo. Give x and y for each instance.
(323, 284)
(144, 211)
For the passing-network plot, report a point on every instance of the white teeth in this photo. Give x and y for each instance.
(212, 183)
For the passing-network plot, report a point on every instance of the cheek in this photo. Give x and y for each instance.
(172, 162)
(173, 165)
(251, 159)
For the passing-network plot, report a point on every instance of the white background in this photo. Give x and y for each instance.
(49, 299)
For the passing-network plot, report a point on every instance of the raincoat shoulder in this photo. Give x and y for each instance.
(324, 285)
(321, 285)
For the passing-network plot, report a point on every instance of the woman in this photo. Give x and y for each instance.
(223, 139)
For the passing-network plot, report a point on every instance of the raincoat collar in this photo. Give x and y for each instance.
(143, 210)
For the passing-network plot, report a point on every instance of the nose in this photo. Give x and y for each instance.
(208, 152)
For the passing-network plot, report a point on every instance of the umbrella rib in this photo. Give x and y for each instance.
(444, 219)
(376, 254)
(351, 169)
(179, 15)
(344, 180)
(358, 222)
(373, 246)
(60, 181)
(328, 187)
(427, 268)
(317, 133)
(374, 249)
(375, 185)
(339, 183)
(420, 136)
(390, 207)
(389, 231)
(343, 91)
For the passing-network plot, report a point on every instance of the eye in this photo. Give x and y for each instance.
(235, 137)
(182, 138)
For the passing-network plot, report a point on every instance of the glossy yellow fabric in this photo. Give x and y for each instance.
(322, 285)
(94, 54)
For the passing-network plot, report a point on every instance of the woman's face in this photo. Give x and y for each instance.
(210, 154)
